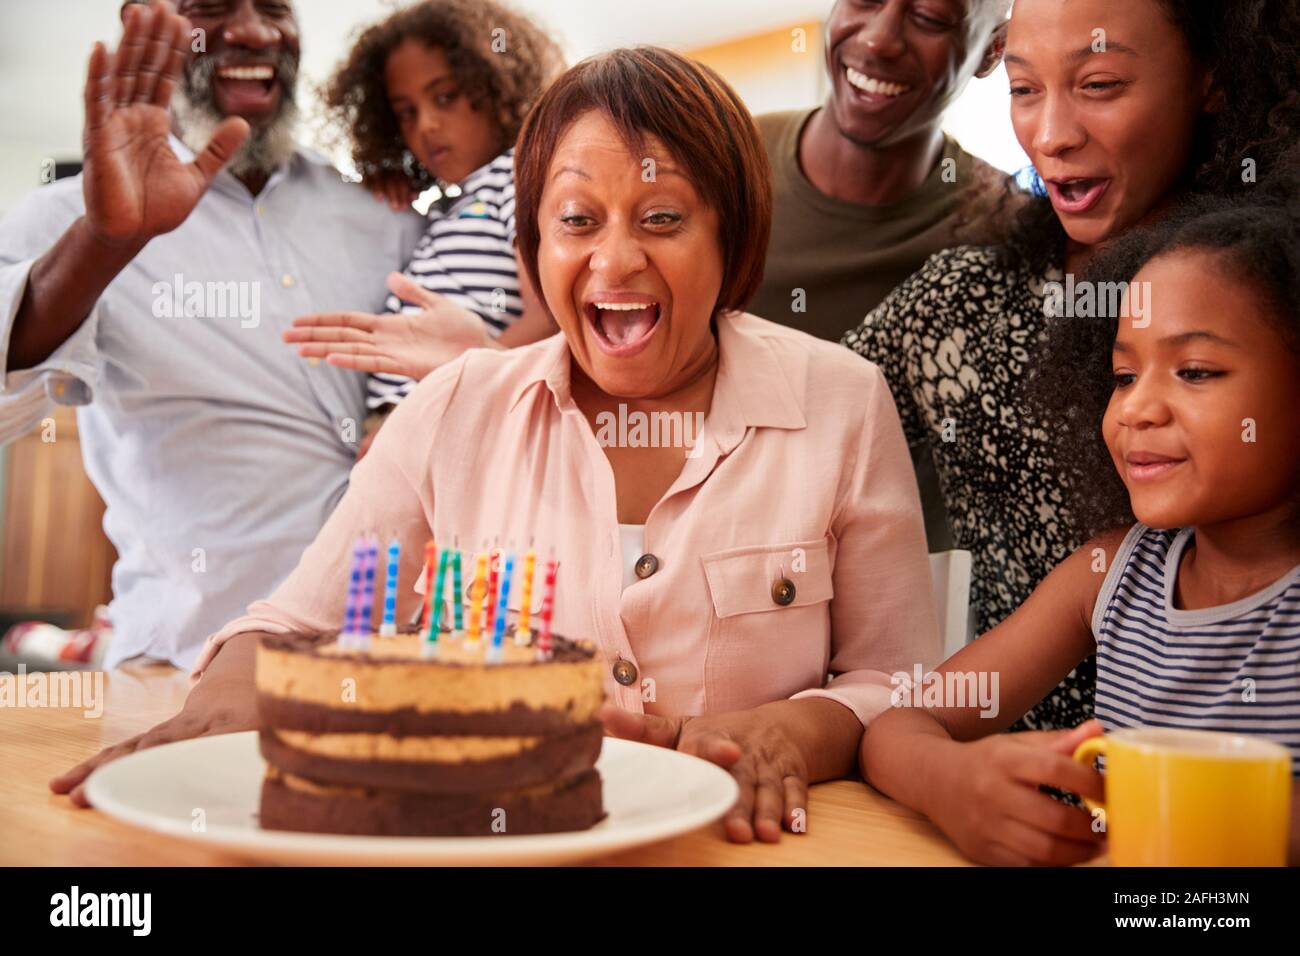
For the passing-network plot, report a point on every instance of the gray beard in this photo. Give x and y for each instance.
(267, 147)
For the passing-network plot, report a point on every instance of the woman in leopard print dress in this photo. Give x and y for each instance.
(957, 340)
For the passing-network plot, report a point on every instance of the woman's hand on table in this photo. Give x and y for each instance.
(407, 343)
(984, 795)
(222, 702)
(762, 755)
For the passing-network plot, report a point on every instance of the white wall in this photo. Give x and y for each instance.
(980, 119)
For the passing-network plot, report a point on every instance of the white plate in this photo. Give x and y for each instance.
(650, 794)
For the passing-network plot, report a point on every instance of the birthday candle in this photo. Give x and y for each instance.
(430, 556)
(526, 599)
(494, 571)
(460, 594)
(389, 627)
(477, 590)
(548, 607)
(368, 593)
(435, 622)
(353, 607)
(503, 605)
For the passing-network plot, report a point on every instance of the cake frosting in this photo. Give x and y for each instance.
(390, 741)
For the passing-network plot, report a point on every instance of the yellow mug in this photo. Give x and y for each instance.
(1193, 797)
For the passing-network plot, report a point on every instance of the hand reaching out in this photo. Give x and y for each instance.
(411, 344)
(223, 702)
(135, 187)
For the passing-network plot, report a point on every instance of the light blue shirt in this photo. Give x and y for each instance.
(218, 451)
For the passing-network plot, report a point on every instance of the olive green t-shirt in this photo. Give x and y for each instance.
(846, 257)
(830, 262)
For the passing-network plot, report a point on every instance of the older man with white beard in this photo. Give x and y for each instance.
(151, 292)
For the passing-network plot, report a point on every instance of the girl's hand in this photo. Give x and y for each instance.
(212, 707)
(763, 758)
(986, 798)
(393, 188)
(411, 344)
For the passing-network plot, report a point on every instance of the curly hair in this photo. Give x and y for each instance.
(1256, 237)
(505, 84)
(1253, 49)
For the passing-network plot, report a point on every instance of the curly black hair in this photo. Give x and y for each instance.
(505, 84)
(1253, 49)
(1255, 235)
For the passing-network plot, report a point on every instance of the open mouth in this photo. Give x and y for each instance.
(622, 329)
(1077, 194)
(874, 88)
(250, 87)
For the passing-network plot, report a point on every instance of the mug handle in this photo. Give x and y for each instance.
(1086, 753)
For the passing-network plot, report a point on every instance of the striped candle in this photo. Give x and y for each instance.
(458, 607)
(522, 634)
(367, 593)
(494, 577)
(430, 558)
(352, 609)
(478, 590)
(389, 627)
(503, 605)
(548, 608)
(435, 622)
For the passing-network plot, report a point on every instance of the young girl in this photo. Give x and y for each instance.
(1197, 389)
(436, 94)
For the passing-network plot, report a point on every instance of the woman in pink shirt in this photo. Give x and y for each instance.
(752, 587)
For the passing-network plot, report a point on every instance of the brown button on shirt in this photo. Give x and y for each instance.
(802, 472)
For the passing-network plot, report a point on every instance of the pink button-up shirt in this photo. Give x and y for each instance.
(801, 472)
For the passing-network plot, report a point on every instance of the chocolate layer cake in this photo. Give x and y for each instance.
(387, 741)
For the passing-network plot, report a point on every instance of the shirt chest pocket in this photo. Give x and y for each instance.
(770, 632)
(768, 579)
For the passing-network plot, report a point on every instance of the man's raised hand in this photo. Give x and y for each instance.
(135, 186)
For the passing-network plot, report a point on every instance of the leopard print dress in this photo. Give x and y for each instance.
(954, 341)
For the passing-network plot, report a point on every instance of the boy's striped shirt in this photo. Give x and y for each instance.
(467, 254)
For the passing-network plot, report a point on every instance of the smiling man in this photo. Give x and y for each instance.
(250, 73)
(151, 293)
(867, 186)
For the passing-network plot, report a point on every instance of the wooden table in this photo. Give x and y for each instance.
(848, 822)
